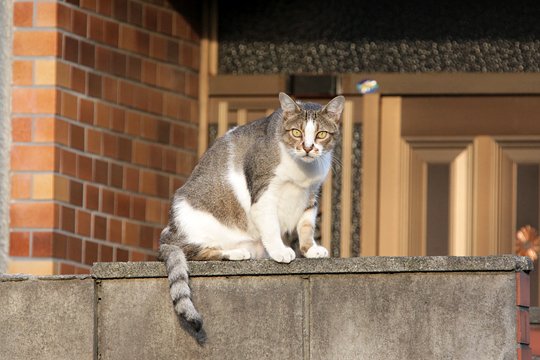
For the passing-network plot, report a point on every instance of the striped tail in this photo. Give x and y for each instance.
(177, 272)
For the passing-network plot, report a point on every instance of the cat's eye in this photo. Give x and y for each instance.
(296, 133)
(322, 134)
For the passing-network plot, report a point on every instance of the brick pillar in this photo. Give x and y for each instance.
(104, 118)
(523, 302)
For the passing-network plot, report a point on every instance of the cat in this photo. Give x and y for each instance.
(255, 184)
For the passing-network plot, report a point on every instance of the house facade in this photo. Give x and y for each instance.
(108, 104)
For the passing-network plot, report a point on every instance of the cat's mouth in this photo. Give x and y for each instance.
(307, 157)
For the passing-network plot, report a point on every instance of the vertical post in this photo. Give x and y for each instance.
(223, 117)
(203, 83)
(390, 178)
(241, 116)
(370, 174)
(213, 39)
(346, 180)
(461, 204)
(326, 210)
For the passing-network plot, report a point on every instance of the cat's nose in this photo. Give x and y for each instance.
(307, 149)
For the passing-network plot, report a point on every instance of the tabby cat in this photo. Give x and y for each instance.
(255, 184)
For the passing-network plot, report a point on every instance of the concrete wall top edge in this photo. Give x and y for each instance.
(24, 277)
(375, 264)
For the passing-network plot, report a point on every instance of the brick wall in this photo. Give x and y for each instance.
(104, 119)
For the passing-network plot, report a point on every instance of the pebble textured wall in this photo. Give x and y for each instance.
(378, 36)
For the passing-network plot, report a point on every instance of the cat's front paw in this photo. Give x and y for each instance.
(316, 251)
(283, 255)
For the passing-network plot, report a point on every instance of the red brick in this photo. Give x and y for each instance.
(122, 204)
(150, 18)
(68, 163)
(22, 14)
(47, 15)
(61, 132)
(69, 105)
(95, 31)
(42, 244)
(92, 197)
(84, 223)
(111, 30)
(118, 66)
(103, 59)
(32, 157)
(101, 172)
(21, 186)
(120, 10)
(89, 4)
(107, 201)
(19, 244)
(44, 129)
(138, 208)
(149, 72)
(131, 233)
(147, 237)
(131, 179)
(91, 252)
(118, 121)
(122, 255)
(110, 89)
(105, 253)
(86, 111)
(64, 17)
(78, 80)
(78, 25)
(117, 176)
(76, 135)
(36, 43)
(71, 49)
(74, 249)
(76, 193)
(104, 7)
(102, 115)
(32, 215)
(136, 256)
(535, 339)
(100, 227)
(523, 289)
(94, 85)
(523, 326)
(115, 230)
(524, 353)
(21, 129)
(22, 71)
(67, 269)
(68, 219)
(165, 22)
(93, 141)
(110, 145)
(31, 100)
(60, 246)
(87, 55)
(135, 13)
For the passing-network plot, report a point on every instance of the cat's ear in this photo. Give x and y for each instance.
(335, 107)
(288, 104)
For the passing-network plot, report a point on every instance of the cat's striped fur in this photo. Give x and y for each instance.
(256, 183)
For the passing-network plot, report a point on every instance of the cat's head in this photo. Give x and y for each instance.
(310, 130)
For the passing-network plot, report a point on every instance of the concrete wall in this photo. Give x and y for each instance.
(360, 308)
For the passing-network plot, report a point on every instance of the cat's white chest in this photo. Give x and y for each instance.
(293, 186)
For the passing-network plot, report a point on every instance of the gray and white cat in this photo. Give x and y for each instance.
(256, 183)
